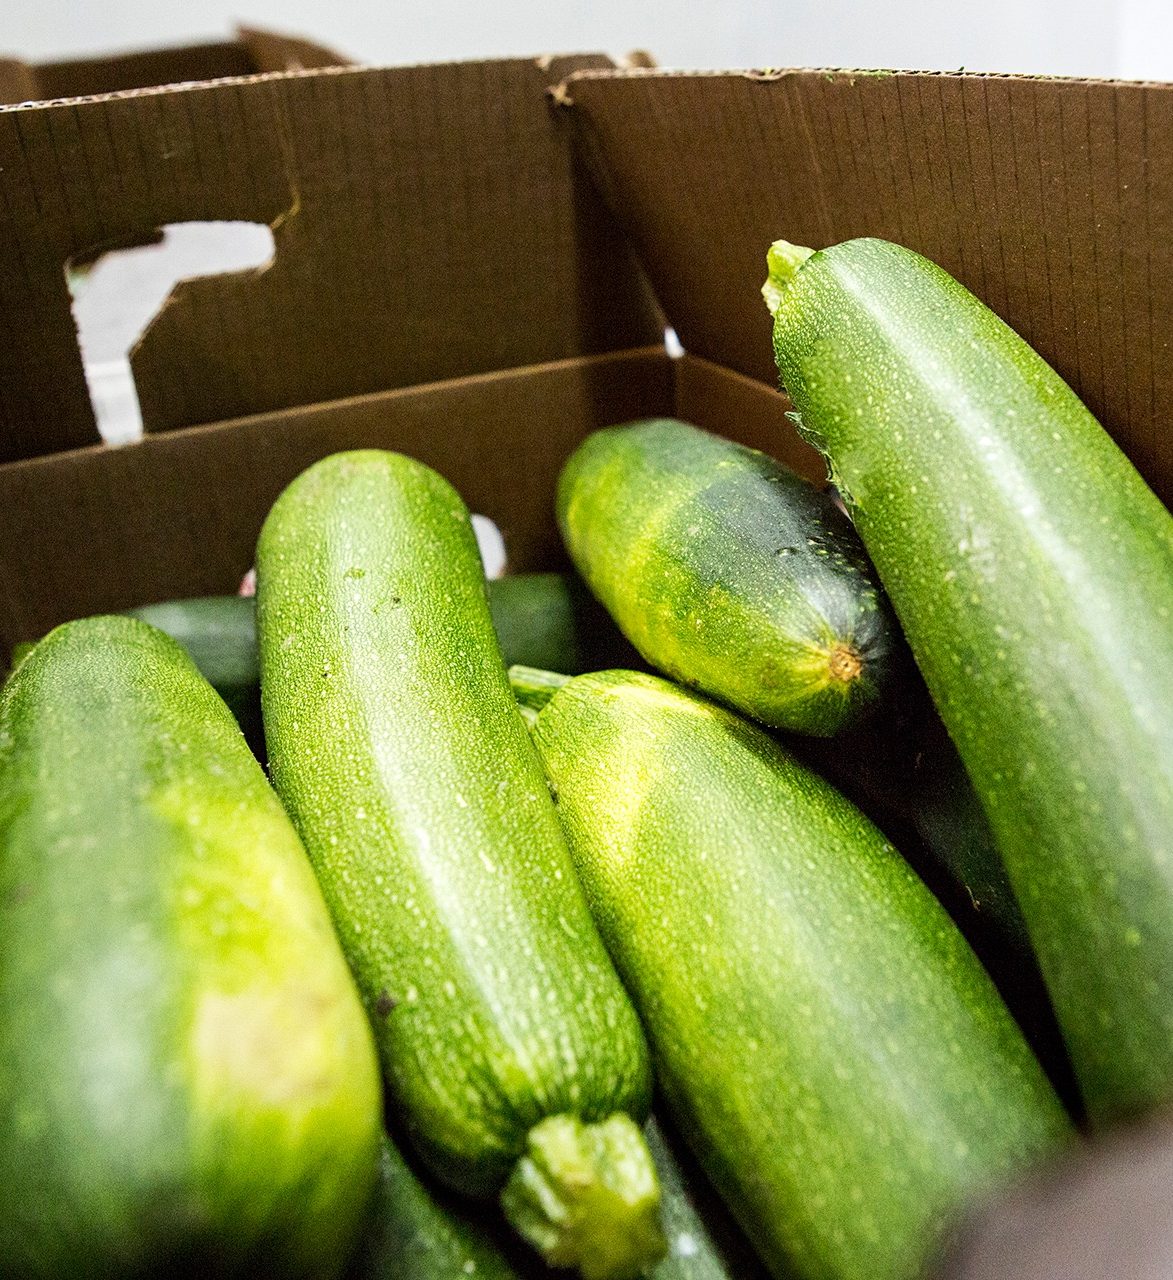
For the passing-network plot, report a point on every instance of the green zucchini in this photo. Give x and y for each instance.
(729, 573)
(188, 1086)
(417, 1232)
(824, 1037)
(509, 1046)
(1032, 571)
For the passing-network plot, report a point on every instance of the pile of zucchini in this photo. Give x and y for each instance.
(400, 1001)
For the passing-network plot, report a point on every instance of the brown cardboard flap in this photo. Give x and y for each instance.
(1051, 199)
(429, 223)
(18, 81)
(140, 69)
(178, 514)
(272, 51)
(254, 50)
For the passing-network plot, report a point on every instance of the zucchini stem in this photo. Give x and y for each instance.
(533, 687)
(587, 1196)
(783, 260)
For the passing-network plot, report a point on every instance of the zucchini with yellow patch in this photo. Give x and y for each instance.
(824, 1037)
(1032, 571)
(188, 1085)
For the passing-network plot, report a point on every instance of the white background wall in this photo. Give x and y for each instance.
(1074, 37)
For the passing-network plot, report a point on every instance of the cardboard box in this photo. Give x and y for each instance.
(447, 282)
(254, 51)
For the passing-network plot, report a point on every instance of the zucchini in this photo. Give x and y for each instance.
(419, 1233)
(508, 1044)
(187, 1083)
(823, 1035)
(1032, 571)
(729, 573)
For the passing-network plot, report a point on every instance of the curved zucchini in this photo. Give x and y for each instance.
(508, 1043)
(824, 1037)
(189, 1086)
(729, 573)
(1032, 571)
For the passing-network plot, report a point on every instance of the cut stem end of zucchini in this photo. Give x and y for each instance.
(783, 260)
(587, 1196)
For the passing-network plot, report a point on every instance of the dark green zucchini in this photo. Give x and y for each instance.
(729, 573)
(1032, 571)
(510, 1048)
(826, 1040)
(188, 1087)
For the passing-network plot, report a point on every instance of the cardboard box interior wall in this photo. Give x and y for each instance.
(447, 282)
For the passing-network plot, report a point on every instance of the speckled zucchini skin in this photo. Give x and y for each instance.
(188, 1086)
(1032, 571)
(396, 745)
(827, 1042)
(729, 573)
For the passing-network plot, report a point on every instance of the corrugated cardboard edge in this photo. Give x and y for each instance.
(253, 50)
(429, 221)
(1050, 197)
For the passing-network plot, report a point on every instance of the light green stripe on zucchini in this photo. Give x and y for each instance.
(1032, 571)
(188, 1082)
(397, 747)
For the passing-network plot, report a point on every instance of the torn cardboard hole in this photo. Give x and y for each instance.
(392, 174)
(117, 295)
